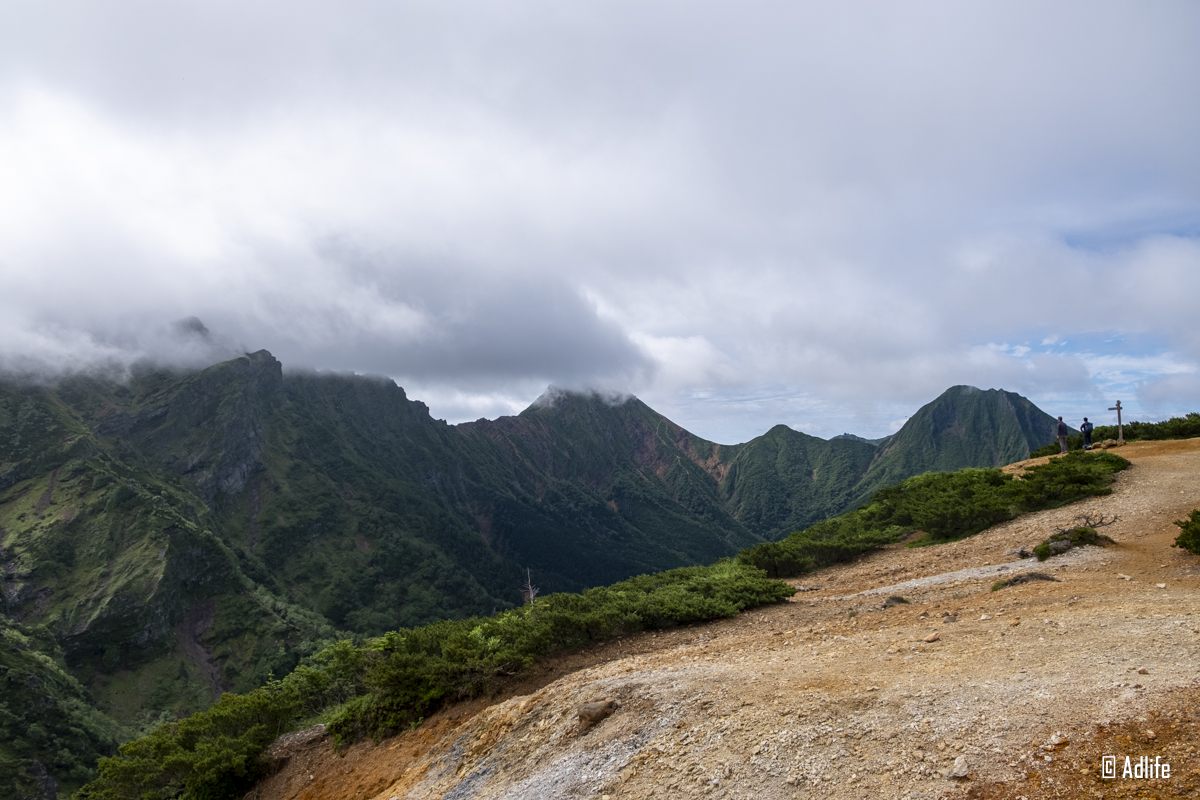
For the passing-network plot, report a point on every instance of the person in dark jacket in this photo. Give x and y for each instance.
(1086, 430)
(1063, 432)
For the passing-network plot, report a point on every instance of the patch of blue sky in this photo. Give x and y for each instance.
(1119, 365)
(732, 416)
(1098, 342)
(1117, 237)
(1110, 356)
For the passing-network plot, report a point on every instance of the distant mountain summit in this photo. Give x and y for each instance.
(223, 519)
(648, 469)
(854, 438)
(964, 427)
(785, 480)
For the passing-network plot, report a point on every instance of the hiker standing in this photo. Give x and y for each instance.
(1086, 430)
(1063, 432)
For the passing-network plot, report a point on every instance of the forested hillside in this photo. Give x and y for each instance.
(178, 534)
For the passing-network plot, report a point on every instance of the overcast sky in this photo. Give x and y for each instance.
(820, 214)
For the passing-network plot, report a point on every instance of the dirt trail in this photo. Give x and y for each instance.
(834, 695)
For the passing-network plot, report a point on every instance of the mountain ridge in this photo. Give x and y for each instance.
(189, 531)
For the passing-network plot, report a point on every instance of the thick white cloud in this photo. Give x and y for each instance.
(748, 213)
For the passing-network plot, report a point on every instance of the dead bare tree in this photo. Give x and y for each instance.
(1089, 521)
(1063, 539)
(528, 590)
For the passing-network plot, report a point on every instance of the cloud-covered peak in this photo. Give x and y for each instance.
(556, 395)
(807, 214)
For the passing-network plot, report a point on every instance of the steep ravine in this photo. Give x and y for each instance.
(1029, 685)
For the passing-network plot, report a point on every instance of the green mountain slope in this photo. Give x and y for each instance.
(184, 533)
(50, 734)
(126, 564)
(964, 427)
(596, 490)
(785, 480)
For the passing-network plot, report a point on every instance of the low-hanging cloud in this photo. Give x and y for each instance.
(784, 212)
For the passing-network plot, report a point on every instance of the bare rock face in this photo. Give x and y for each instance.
(286, 746)
(594, 712)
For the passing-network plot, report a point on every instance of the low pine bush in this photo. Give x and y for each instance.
(1053, 449)
(1076, 475)
(212, 754)
(948, 505)
(1185, 427)
(945, 506)
(398, 679)
(1189, 537)
(409, 674)
(832, 541)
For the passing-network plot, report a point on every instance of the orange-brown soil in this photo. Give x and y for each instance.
(835, 694)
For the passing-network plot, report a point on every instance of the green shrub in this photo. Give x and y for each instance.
(1185, 427)
(944, 505)
(779, 559)
(212, 754)
(832, 541)
(410, 673)
(1073, 443)
(1076, 475)
(948, 505)
(395, 681)
(46, 717)
(1189, 537)
(1046, 450)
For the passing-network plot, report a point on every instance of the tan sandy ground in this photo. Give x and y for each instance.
(832, 695)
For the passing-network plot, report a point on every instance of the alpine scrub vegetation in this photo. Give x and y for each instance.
(945, 506)
(394, 681)
(1185, 427)
(1189, 537)
(53, 732)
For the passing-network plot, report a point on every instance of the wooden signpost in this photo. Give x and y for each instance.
(1120, 430)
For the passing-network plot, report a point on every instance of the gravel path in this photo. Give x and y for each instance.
(1073, 558)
